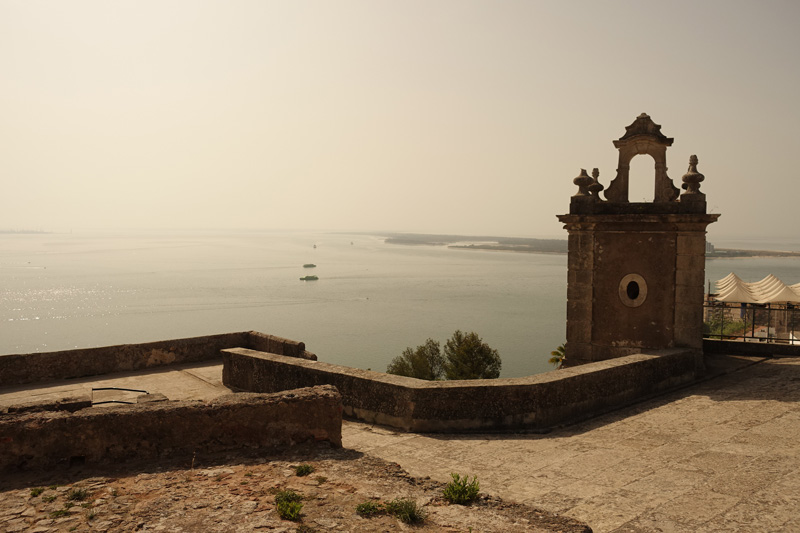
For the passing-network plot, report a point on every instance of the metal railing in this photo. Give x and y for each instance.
(773, 323)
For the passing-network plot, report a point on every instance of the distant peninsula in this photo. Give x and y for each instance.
(22, 232)
(539, 246)
(502, 244)
(733, 252)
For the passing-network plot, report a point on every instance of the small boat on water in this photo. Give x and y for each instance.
(309, 278)
(309, 265)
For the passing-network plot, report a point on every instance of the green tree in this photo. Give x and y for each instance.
(557, 356)
(468, 357)
(426, 362)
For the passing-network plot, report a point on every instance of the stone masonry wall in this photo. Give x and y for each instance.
(20, 369)
(149, 431)
(534, 402)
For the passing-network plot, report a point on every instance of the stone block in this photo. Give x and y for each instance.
(695, 278)
(691, 263)
(579, 292)
(692, 244)
(579, 331)
(580, 260)
(688, 296)
(148, 398)
(579, 311)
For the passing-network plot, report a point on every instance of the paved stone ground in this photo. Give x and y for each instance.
(191, 381)
(720, 456)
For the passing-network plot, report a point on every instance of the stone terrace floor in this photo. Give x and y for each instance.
(723, 455)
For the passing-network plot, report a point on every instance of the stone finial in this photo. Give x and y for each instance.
(582, 181)
(595, 187)
(692, 179)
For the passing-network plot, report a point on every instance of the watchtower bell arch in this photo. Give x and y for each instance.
(642, 137)
(635, 269)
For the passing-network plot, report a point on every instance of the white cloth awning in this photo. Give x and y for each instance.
(769, 290)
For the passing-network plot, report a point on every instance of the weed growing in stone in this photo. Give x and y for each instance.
(77, 495)
(303, 469)
(91, 515)
(48, 499)
(461, 490)
(53, 487)
(288, 504)
(406, 510)
(321, 479)
(369, 509)
(37, 491)
(59, 513)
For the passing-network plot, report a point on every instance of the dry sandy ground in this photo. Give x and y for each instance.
(237, 493)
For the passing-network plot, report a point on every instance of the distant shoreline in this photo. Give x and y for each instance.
(486, 243)
(729, 253)
(538, 246)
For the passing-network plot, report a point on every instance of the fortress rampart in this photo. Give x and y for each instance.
(535, 402)
(155, 430)
(20, 369)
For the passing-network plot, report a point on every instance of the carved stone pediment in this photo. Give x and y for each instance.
(644, 125)
(642, 137)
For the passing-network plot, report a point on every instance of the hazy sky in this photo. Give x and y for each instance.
(422, 116)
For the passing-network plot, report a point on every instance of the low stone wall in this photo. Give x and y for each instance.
(535, 402)
(162, 429)
(755, 349)
(20, 369)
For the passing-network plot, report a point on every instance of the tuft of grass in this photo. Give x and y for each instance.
(48, 499)
(461, 490)
(289, 505)
(53, 487)
(77, 495)
(368, 509)
(406, 510)
(91, 515)
(37, 491)
(303, 469)
(321, 479)
(68, 505)
(248, 474)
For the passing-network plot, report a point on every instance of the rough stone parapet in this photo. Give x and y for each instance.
(19, 369)
(153, 430)
(535, 402)
(70, 404)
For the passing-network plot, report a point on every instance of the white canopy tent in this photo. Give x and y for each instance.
(769, 290)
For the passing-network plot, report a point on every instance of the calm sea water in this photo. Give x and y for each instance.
(62, 291)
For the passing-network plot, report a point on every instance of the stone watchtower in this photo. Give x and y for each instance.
(636, 270)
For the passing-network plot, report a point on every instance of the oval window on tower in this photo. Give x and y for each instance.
(633, 290)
